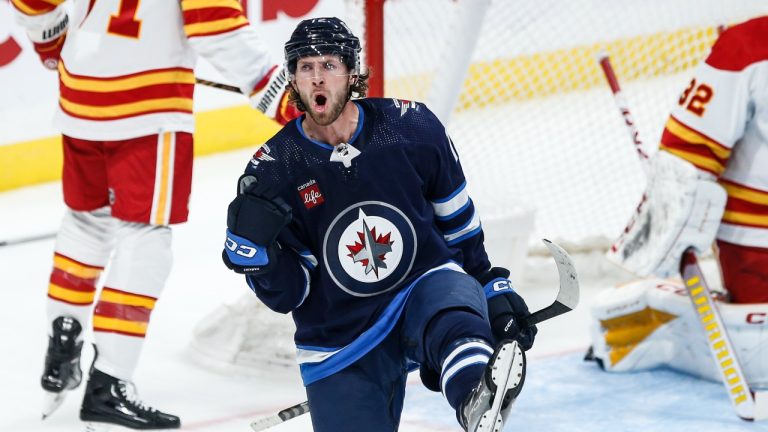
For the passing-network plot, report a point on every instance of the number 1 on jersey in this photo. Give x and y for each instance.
(124, 23)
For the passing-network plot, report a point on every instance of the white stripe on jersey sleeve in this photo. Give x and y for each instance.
(454, 202)
(468, 227)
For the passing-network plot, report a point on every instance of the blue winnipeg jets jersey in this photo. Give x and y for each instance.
(369, 219)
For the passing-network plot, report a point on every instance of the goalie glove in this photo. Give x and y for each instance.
(681, 208)
(270, 96)
(506, 308)
(254, 220)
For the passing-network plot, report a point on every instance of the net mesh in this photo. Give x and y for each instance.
(535, 123)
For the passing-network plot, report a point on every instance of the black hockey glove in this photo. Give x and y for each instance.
(506, 308)
(254, 219)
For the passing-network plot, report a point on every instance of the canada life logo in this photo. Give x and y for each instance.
(310, 194)
(369, 248)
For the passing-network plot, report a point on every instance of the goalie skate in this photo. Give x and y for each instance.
(62, 371)
(487, 406)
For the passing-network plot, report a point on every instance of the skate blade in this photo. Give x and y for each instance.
(51, 402)
(508, 374)
(98, 427)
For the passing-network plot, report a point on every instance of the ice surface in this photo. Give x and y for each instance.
(561, 393)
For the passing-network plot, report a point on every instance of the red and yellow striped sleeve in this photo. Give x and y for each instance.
(212, 17)
(123, 312)
(746, 206)
(73, 282)
(147, 92)
(35, 7)
(695, 147)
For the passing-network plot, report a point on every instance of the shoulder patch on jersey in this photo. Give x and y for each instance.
(261, 155)
(405, 105)
(740, 46)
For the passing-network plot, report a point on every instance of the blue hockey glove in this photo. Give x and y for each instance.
(506, 308)
(245, 257)
(254, 220)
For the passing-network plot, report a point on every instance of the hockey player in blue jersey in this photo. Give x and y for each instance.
(355, 218)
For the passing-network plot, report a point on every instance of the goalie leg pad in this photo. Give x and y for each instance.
(651, 323)
(681, 208)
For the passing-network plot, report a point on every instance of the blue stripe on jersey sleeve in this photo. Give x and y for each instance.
(469, 234)
(452, 195)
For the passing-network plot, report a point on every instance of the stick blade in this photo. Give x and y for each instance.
(568, 295)
(568, 292)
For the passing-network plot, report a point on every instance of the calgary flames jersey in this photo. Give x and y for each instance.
(721, 126)
(126, 68)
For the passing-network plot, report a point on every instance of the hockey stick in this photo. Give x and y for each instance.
(748, 405)
(567, 299)
(283, 416)
(27, 239)
(217, 85)
(274, 88)
(568, 293)
(623, 106)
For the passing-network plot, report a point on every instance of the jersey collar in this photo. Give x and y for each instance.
(360, 121)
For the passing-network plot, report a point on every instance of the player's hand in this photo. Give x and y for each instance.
(286, 111)
(49, 41)
(254, 219)
(506, 308)
(50, 52)
(271, 97)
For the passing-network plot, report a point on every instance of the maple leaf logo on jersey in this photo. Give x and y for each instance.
(370, 251)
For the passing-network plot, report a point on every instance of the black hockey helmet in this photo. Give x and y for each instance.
(323, 36)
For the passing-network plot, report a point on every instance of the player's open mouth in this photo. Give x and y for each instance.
(320, 101)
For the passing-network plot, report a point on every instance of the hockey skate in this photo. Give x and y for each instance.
(487, 407)
(62, 371)
(111, 401)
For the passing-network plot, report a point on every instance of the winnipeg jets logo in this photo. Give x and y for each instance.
(371, 250)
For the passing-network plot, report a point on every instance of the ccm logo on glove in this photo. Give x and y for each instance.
(502, 285)
(242, 250)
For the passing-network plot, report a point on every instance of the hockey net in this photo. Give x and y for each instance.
(518, 84)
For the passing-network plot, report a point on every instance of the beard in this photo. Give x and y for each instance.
(334, 106)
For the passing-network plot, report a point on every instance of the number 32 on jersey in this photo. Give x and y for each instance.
(696, 97)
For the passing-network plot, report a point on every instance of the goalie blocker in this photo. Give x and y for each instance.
(681, 208)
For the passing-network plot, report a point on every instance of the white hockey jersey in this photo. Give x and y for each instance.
(127, 66)
(721, 126)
